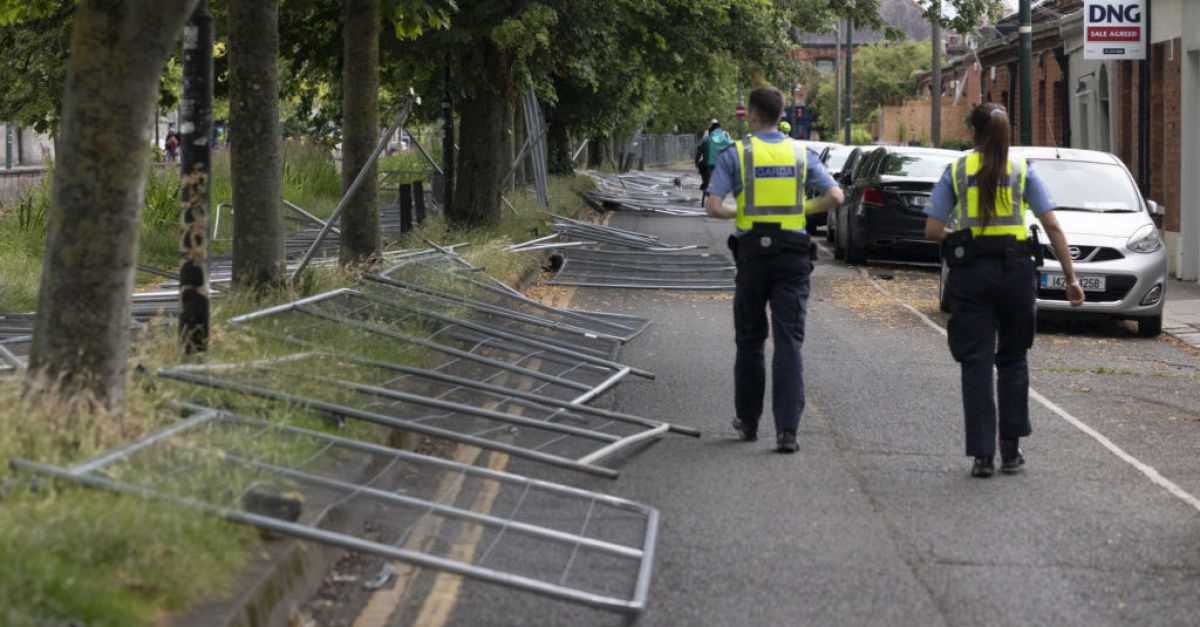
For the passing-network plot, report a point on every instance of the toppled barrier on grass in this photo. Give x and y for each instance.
(433, 403)
(594, 549)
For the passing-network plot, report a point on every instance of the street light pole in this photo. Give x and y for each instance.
(935, 85)
(195, 164)
(1026, 31)
(837, 79)
(849, 62)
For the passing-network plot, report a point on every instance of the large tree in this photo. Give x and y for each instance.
(360, 128)
(81, 333)
(258, 248)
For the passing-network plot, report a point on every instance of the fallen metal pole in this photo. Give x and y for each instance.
(421, 149)
(358, 180)
(315, 219)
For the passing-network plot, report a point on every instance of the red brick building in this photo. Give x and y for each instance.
(820, 50)
(1096, 105)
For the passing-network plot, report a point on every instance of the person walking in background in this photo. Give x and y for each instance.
(768, 173)
(171, 145)
(715, 140)
(992, 287)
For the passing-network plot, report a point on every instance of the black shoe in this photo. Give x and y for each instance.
(812, 252)
(984, 467)
(786, 442)
(745, 432)
(1011, 459)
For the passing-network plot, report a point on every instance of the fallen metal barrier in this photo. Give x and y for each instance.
(644, 270)
(429, 402)
(367, 325)
(665, 193)
(445, 276)
(596, 550)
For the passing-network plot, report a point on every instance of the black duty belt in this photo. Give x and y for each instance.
(769, 239)
(961, 247)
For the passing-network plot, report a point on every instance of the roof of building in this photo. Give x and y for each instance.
(904, 15)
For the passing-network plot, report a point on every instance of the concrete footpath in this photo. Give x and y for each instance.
(1181, 314)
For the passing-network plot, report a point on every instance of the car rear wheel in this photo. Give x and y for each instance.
(1150, 327)
(854, 253)
(839, 245)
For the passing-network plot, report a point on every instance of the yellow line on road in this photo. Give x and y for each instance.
(440, 602)
(385, 601)
(439, 605)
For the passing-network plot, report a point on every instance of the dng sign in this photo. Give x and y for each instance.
(1114, 29)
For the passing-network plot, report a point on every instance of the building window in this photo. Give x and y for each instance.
(825, 65)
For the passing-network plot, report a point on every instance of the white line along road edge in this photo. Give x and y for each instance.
(1153, 475)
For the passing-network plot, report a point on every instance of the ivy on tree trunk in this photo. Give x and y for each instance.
(81, 333)
(360, 129)
(258, 233)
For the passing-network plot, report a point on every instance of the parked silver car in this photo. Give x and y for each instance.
(1118, 253)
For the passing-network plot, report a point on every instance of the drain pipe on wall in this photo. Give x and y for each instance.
(1143, 167)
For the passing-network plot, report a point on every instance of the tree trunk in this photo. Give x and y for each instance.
(360, 129)
(258, 258)
(595, 152)
(516, 115)
(558, 145)
(81, 334)
(481, 163)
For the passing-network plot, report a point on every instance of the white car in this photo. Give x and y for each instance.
(1118, 254)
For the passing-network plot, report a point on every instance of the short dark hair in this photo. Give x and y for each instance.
(768, 101)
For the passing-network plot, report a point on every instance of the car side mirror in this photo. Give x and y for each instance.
(1154, 208)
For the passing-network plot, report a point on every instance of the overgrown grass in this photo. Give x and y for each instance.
(310, 180)
(75, 554)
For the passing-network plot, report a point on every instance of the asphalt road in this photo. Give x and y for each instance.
(876, 520)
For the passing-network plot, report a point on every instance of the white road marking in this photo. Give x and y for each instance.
(1149, 471)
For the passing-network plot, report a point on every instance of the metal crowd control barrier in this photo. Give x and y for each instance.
(644, 270)
(596, 550)
(447, 276)
(369, 325)
(432, 403)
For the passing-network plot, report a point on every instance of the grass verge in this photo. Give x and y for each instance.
(72, 554)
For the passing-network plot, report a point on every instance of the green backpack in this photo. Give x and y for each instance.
(718, 140)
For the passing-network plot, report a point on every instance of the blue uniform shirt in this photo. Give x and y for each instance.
(943, 200)
(727, 178)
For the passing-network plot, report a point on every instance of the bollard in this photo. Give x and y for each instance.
(419, 201)
(406, 207)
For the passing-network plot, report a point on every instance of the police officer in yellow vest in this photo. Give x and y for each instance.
(992, 287)
(768, 174)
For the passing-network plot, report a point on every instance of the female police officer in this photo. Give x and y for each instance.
(993, 283)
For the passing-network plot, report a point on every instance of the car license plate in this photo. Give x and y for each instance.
(919, 201)
(1058, 281)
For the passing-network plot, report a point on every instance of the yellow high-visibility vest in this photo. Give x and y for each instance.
(1007, 221)
(773, 177)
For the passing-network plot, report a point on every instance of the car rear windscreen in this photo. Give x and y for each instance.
(837, 158)
(1088, 186)
(915, 166)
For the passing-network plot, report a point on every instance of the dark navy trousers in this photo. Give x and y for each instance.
(992, 324)
(782, 281)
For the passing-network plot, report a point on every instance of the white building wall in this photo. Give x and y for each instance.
(1189, 246)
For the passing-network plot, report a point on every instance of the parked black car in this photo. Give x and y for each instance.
(886, 192)
(839, 159)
